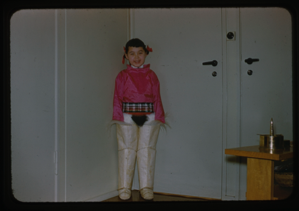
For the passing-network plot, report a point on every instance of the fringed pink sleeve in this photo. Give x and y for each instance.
(158, 107)
(118, 97)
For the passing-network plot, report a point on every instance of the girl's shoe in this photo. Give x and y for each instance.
(124, 194)
(147, 194)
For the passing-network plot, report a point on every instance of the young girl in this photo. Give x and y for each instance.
(138, 111)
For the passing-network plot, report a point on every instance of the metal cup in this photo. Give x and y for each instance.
(272, 142)
(275, 142)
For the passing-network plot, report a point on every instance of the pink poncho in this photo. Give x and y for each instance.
(137, 85)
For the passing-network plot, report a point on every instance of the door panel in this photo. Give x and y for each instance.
(189, 154)
(267, 93)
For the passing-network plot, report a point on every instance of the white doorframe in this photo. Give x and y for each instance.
(231, 102)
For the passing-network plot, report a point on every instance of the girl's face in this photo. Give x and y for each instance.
(136, 56)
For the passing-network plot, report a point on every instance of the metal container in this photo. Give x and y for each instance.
(272, 142)
(275, 142)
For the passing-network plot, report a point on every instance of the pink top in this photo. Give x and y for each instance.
(137, 85)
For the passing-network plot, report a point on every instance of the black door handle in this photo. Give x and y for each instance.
(213, 63)
(250, 60)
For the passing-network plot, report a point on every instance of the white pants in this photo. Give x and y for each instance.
(140, 142)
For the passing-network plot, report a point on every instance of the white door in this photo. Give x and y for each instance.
(267, 92)
(189, 154)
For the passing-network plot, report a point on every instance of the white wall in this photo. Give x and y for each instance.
(94, 43)
(33, 104)
(63, 67)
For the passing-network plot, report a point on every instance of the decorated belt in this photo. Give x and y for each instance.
(138, 107)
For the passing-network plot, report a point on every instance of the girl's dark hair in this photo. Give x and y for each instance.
(135, 42)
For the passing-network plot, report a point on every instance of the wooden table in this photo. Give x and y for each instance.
(260, 170)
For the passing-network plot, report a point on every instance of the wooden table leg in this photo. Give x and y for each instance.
(260, 179)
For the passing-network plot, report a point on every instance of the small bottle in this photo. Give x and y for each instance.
(271, 128)
(270, 144)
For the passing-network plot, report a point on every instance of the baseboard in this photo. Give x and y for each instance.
(180, 195)
(104, 196)
(194, 197)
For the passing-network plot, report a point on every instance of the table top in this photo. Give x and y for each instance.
(257, 152)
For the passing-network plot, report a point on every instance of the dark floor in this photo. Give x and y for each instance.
(279, 192)
(157, 197)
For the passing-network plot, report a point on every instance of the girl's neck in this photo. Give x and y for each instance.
(137, 67)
